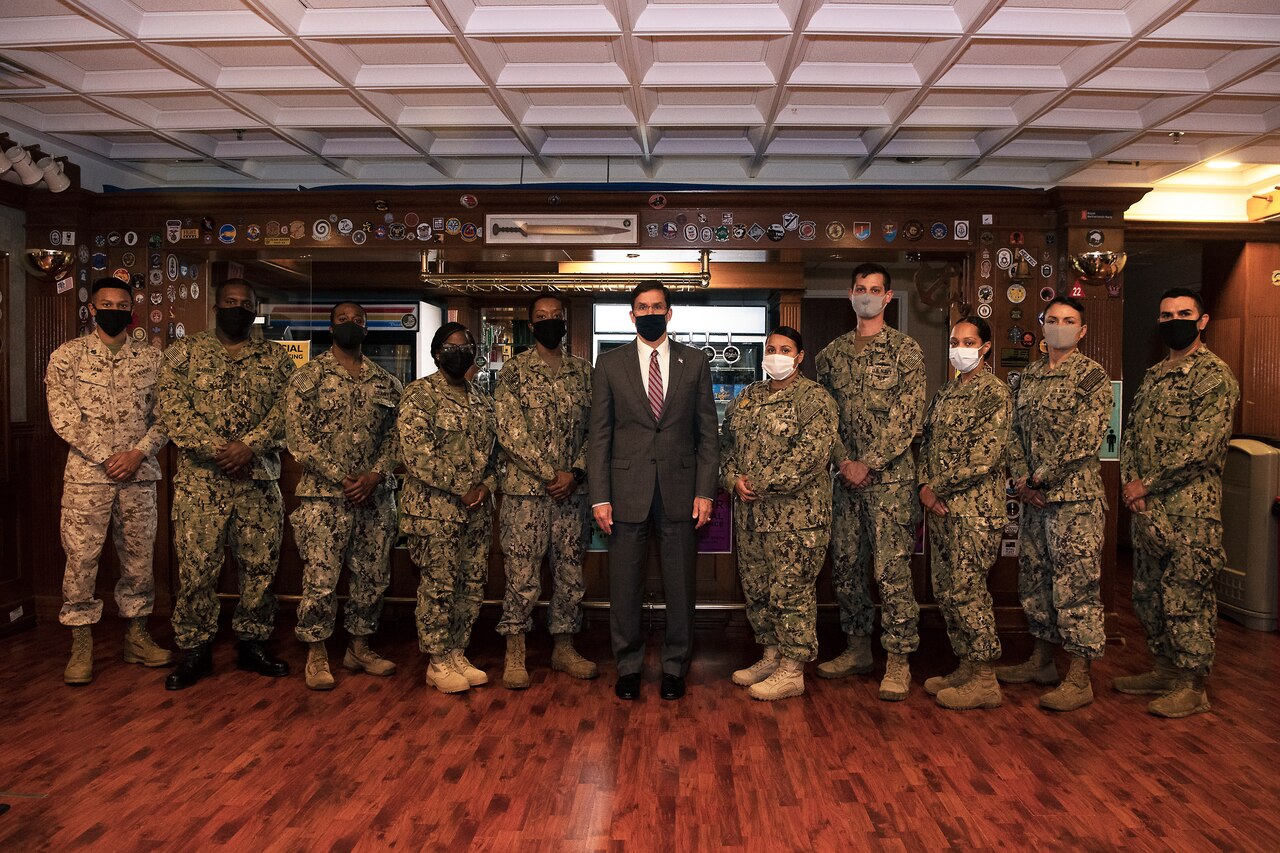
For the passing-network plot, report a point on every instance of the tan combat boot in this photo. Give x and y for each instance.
(140, 648)
(317, 670)
(897, 679)
(1075, 691)
(1186, 698)
(565, 658)
(514, 674)
(980, 691)
(443, 676)
(938, 683)
(758, 671)
(854, 660)
(1157, 682)
(361, 658)
(787, 680)
(473, 674)
(1039, 668)
(79, 669)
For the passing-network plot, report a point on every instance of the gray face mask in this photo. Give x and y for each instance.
(1061, 337)
(867, 305)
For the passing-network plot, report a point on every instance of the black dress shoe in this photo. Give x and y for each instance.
(628, 686)
(196, 664)
(253, 656)
(672, 686)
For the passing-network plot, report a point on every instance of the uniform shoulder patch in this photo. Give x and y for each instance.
(910, 356)
(1091, 380)
(177, 354)
(1207, 384)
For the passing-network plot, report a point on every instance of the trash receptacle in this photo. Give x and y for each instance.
(1247, 586)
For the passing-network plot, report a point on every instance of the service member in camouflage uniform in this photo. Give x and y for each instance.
(1060, 415)
(1171, 459)
(775, 451)
(340, 420)
(450, 454)
(101, 394)
(542, 401)
(961, 476)
(222, 401)
(876, 375)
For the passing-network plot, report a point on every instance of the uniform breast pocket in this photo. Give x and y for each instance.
(782, 424)
(209, 381)
(881, 387)
(90, 387)
(450, 420)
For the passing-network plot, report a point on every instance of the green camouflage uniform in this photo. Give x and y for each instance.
(1176, 443)
(879, 395)
(209, 397)
(781, 442)
(962, 458)
(1060, 416)
(448, 444)
(337, 426)
(542, 428)
(101, 404)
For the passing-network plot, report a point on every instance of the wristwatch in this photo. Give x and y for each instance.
(578, 474)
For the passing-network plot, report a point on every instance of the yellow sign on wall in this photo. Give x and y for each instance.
(299, 350)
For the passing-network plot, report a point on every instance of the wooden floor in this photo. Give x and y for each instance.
(246, 763)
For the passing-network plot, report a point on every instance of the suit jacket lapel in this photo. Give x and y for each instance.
(632, 369)
(676, 367)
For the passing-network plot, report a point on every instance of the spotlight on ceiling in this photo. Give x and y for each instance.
(17, 165)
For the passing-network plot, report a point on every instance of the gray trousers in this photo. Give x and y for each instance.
(677, 549)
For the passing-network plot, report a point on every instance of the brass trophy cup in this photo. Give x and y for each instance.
(1098, 267)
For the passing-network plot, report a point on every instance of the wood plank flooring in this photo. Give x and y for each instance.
(242, 762)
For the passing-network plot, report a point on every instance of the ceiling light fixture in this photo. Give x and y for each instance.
(1176, 136)
(432, 273)
(1223, 164)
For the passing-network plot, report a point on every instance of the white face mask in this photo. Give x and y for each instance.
(778, 366)
(1061, 336)
(867, 305)
(965, 359)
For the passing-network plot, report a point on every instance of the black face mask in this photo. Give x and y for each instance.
(349, 335)
(651, 326)
(113, 321)
(456, 362)
(549, 333)
(1179, 334)
(235, 322)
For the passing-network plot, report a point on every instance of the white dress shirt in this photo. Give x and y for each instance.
(644, 349)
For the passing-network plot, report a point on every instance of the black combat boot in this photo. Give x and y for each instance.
(253, 656)
(196, 664)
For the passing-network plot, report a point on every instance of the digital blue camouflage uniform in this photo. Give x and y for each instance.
(962, 459)
(542, 416)
(781, 442)
(1176, 444)
(448, 443)
(879, 395)
(209, 397)
(340, 426)
(1060, 417)
(102, 403)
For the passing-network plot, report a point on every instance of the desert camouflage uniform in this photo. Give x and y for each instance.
(962, 458)
(542, 428)
(1176, 443)
(209, 397)
(339, 425)
(879, 395)
(781, 442)
(1060, 416)
(448, 444)
(102, 403)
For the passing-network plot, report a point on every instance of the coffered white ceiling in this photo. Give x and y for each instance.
(1036, 93)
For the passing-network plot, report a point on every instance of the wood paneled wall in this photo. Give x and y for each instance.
(1242, 296)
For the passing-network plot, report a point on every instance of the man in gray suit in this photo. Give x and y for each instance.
(652, 457)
